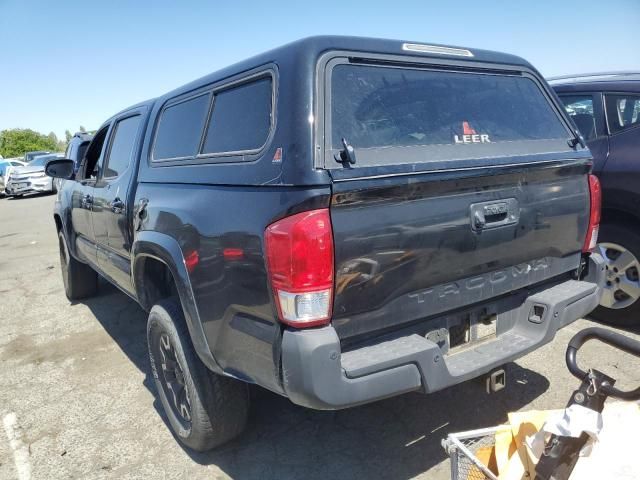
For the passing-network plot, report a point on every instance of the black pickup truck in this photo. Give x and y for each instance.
(338, 220)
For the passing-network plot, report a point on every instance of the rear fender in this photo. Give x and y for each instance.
(62, 211)
(63, 216)
(166, 249)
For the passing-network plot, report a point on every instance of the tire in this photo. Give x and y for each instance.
(80, 280)
(204, 410)
(619, 245)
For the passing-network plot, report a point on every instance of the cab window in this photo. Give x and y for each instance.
(94, 158)
(122, 146)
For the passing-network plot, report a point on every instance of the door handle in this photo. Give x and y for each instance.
(478, 220)
(117, 205)
(493, 214)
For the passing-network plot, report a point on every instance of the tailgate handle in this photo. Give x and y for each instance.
(494, 214)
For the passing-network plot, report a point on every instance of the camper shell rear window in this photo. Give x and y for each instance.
(404, 114)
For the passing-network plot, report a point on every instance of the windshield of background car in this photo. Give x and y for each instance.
(407, 115)
(30, 156)
(41, 161)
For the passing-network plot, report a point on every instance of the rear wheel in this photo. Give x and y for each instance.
(204, 409)
(80, 280)
(619, 245)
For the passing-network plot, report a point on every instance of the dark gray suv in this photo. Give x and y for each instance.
(606, 109)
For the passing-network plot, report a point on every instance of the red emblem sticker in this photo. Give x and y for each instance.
(277, 157)
(467, 130)
(469, 135)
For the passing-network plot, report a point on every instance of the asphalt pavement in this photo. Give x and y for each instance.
(77, 398)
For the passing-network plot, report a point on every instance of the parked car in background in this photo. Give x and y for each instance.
(6, 165)
(31, 177)
(606, 109)
(29, 156)
(338, 220)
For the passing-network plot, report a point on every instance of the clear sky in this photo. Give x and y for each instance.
(70, 63)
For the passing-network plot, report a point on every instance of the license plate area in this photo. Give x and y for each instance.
(465, 330)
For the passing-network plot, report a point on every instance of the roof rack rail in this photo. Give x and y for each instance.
(595, 75)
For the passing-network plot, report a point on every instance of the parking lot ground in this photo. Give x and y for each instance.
(77, 398)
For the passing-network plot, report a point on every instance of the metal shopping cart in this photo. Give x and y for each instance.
(468, 450)
(463, 451)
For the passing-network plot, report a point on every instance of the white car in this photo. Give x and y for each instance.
(6, 165)
(31, 178)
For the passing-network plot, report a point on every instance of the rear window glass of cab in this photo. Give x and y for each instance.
(230, 120)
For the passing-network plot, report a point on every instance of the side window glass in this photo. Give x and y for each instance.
(623, 111)
(3, 167)
(580, 109)
(121, 151)
(180, 128)
(241, 118)
(79, 154)
(94, 158)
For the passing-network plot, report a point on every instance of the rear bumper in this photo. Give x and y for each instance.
(43, 184)
(316, 374)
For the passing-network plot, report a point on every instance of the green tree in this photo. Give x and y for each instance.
(82, 129)
(61, 145)
(68, 136)
(16, 142)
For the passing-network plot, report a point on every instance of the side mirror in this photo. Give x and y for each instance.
(60, 168)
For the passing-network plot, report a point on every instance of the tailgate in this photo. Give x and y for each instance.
(410, 247)
(452, 185)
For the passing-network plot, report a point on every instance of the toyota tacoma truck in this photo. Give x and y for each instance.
(338, 220)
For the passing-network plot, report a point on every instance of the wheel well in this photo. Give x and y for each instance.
(154, 281)
(56, 219)
(610, 215)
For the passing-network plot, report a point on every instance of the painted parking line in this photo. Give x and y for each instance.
(20, 449)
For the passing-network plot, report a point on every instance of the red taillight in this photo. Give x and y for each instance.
(595, 194)
(299, 251)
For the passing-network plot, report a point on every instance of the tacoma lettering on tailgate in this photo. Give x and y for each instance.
(480, 281)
